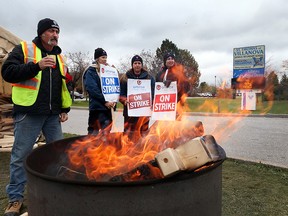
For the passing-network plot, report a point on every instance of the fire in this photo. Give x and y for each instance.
(178, 71)
(104, 157)
(107, 156)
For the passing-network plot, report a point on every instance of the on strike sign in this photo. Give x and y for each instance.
(139, 97)
(110, 83)
(165, 102)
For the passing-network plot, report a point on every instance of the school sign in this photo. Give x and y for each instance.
(249, 67)
(248, 73)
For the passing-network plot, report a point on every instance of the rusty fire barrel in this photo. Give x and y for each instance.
(187, 193)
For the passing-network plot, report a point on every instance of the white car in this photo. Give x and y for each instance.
(78, 95)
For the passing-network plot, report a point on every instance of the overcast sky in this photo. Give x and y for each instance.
(209, 29)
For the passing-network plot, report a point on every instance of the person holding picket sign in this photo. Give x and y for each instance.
(102, 84)
(172, 72)
(136, 94)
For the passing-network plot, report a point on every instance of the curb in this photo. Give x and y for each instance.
(268, 115)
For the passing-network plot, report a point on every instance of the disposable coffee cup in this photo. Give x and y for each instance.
(54, 58)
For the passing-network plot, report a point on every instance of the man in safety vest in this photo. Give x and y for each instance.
(41, 101)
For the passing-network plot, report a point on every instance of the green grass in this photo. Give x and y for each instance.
(254, 189)
(218, 105)
(247, 188)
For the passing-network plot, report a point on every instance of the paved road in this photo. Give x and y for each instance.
(257, 139)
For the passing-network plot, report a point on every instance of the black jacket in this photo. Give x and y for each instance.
(49, 99)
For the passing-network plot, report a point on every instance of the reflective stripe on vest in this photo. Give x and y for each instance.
(31, 54)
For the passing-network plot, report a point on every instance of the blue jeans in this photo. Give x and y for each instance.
(26, 130)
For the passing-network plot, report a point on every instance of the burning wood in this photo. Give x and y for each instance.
(148, 171)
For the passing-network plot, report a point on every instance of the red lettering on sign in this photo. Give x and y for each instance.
(165, 103)
(139, 101)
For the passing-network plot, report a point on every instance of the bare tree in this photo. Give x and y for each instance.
(285, 64)
(269, 67)
(124, 65)
(151, 63)
(77, 63)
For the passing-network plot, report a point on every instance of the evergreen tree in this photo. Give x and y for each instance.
(184, 57)
(284, 87)
(167, 46)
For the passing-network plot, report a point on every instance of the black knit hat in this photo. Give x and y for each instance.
(136, 58)
(99, 52)
(45, 24)
(167, 55)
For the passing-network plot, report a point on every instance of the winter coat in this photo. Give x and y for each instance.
(92, 84)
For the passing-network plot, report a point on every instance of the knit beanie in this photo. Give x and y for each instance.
(167, 55)
(45, 24)
(99, 52)
(136, 58)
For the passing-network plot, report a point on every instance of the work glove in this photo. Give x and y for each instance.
(167, 83)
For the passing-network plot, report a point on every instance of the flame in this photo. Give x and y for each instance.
(130, 156)
(178, 72)
(106, 156)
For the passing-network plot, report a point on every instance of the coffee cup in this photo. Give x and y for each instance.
(54, 58)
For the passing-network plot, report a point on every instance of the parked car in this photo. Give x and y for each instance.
(205, 94)
(77, 95)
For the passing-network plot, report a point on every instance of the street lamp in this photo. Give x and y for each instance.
(215, 85)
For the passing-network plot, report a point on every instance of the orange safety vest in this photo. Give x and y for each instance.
(25, 93)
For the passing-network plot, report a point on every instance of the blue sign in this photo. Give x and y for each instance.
(248, 73)
(110, 85)
(249, 61)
